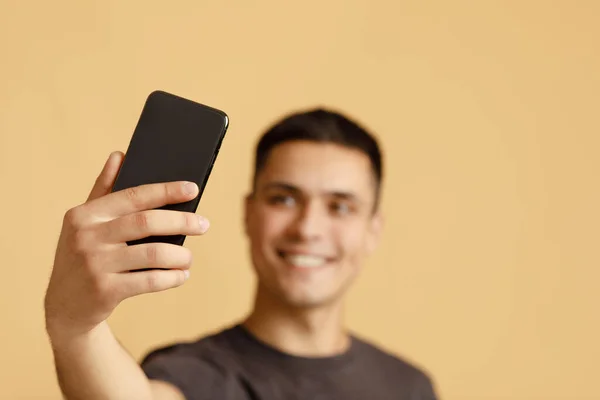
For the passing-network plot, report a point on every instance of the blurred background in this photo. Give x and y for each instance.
(487, 112)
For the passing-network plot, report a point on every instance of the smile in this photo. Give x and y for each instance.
(303, 260)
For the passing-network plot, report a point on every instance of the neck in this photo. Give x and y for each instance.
(307, 332)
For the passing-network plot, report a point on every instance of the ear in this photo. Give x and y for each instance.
(247, 211)
(374, 231)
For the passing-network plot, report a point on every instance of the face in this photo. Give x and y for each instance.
(310, 221)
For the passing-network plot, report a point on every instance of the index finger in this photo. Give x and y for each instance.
(140, 198)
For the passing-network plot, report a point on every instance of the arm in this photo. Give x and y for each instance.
(95, 366)
(94, 270)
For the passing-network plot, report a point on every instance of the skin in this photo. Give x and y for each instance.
(310, 198)
(316, 199)
(91, 275)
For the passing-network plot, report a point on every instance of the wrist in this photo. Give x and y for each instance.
(63, 336)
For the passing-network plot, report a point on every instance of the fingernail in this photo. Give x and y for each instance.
(186, 274)
(204, 224)
(190, 188)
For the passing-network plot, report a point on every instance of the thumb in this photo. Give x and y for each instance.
(106, 179)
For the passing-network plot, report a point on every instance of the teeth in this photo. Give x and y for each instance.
(305, 261)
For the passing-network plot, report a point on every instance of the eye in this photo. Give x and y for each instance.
(341, 208)
(282, 200)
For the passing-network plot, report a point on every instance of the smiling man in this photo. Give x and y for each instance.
(311, 219)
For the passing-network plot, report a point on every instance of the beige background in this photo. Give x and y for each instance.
(488, 113)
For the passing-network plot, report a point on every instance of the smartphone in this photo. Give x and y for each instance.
(175, 139)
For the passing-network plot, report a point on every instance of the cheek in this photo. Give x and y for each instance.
(266, 224)
(351, 239)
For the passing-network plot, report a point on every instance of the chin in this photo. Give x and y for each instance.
(306, 300)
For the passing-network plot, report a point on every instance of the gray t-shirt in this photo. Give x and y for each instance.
(234, 365)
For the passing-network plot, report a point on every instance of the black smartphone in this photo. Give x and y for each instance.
(175, 139)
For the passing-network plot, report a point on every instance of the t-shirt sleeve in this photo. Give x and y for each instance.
(424, 389)
(196, 378)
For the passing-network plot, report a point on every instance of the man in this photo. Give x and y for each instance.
(311, 219)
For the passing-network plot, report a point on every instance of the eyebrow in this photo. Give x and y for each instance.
(291, 188)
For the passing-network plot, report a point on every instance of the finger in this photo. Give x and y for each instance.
(136, 283)
(153, 223)
(149, 255)
(107, 176)
(143, 197)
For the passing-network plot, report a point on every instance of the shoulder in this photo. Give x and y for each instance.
(395, 367)
(372, 352)
(201, 364)
(202, 348)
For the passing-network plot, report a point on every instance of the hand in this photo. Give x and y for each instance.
(94, 268)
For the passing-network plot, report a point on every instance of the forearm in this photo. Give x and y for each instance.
(95, 366)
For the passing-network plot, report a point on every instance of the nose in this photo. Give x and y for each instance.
(310, 222)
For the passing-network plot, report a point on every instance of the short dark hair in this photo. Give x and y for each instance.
(324, 126)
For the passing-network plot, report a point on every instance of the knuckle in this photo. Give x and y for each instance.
(133, 194)
(73, 217)
(179, 278)
(153, 281)
(188, 257)
(89, 259)
(82, 241)
(93, 264)
(140, 220)
(109, 299)
(113, 296)
(152, 254)
(106, 294)
(100, 287)
(171, 191)
(190, 221)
